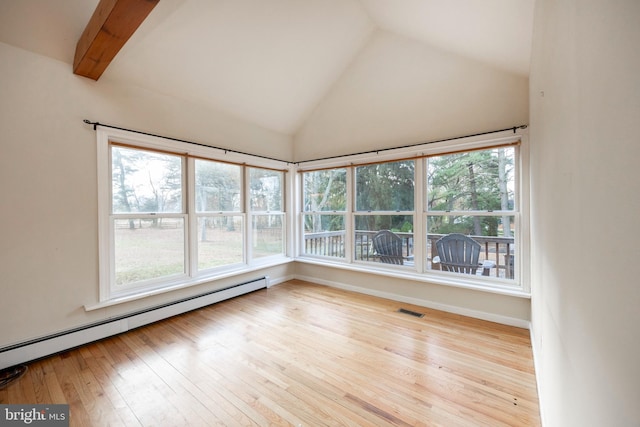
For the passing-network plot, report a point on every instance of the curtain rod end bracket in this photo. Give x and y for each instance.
(89, 122)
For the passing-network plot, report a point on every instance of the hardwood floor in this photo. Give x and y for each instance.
(296, 354)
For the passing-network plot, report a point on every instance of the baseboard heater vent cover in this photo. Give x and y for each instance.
(20, 353)
(410, 312)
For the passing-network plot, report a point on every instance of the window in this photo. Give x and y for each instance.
(148, 216)
(411, 198)
(218, 191)
(473, 193)
(384, 196)
(324, 208)
(267, 212)
(173, 216)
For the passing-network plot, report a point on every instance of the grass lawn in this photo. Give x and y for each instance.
(152, 252)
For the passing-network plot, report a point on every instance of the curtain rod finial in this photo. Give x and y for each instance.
(89, 122)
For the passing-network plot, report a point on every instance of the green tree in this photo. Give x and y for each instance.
(470, 181)
(385, 187)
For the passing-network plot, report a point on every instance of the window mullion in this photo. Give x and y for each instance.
(248, 236)
(192, 231)
(349, 220)
(419, 230)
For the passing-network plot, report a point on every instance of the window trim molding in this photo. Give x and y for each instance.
(107, 136)
(293, 213)
(518, 137)
(185, 284)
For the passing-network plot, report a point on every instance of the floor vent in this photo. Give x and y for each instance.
(410, 313)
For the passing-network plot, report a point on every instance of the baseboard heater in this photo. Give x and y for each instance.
(38, 348)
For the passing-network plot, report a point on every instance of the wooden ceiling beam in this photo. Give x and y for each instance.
(111, 25)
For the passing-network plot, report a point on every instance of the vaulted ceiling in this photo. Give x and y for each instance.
(271, 62)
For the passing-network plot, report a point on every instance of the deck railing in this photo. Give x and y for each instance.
(500, 250)
(326, 243)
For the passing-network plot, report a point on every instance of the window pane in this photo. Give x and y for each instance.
(145, 181)
(477, 180)
(266, 190)
(367, 226)
(219, 241)
(218, 187)
(495, 234)
(268, 235)
(324, 235)
(325, 190)
(148, 249)
(385, 186)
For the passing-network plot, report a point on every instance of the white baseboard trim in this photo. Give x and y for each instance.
(273, 282)
(477, 314)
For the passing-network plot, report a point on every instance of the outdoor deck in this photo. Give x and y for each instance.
(500, 250)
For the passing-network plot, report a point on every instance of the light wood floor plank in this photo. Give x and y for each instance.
(297, 354)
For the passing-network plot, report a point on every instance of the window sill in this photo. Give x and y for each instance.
(400, 272)
(272, 262)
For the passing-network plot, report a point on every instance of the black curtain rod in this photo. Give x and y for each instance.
(412, 145)
(226, 150)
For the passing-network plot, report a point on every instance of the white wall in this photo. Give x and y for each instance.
(398, 91)
(509, 310)
(585, 111)
(48, 215)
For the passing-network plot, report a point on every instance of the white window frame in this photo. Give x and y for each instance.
(515, 213)
(194, 235)
(345, 214)
(108, 295)
(253, 214)
(519, 286)
(356, 213)
(153, 283)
